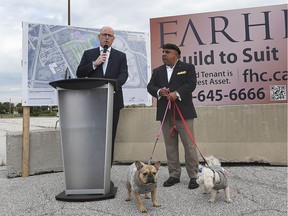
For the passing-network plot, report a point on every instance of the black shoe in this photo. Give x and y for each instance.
(193, 184)
(171, 181)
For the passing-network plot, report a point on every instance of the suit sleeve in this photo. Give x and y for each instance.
(152, 88)
(85, 68)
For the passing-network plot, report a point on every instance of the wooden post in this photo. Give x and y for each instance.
(25, 141)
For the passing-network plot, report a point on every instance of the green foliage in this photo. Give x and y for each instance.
(8, 110)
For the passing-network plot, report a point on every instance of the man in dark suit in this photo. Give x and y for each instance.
(175, 81)
(110, 64)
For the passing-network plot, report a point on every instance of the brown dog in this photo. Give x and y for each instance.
(142, 179)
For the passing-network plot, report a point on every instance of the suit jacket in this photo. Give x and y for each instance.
(183, 80)
(116, 69)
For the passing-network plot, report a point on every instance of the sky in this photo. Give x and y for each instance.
(126, 15)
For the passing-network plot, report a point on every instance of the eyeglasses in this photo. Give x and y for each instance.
(107, 35)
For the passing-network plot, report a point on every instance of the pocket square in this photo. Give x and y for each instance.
(181, 72)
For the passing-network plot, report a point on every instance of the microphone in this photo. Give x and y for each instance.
(105, 48)
(66, 73)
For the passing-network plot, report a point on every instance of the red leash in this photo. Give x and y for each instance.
(189, 132)
(160, 129)
(174, 128)
(174, 123)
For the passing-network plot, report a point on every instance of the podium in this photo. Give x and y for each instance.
(86, 116)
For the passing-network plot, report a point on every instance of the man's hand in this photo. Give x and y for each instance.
(101, 59)
(164, 92)
(172, 96)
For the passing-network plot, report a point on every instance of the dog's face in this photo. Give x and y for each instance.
(205, 177)
(147, 174)
(200, 177)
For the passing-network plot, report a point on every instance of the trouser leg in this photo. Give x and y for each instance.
(116, 114)
(172, 148)
(191, 156)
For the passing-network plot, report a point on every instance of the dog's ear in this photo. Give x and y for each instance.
(157, 165)
(138, 165)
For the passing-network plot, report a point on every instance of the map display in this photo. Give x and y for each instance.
(53, 52)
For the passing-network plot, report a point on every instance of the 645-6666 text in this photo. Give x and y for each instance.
(233, 94)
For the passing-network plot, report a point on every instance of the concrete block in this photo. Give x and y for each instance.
(246, 133)
(45, 152)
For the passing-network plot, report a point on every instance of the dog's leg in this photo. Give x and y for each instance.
(139, 202)
(154, 198)
(206, 190)
(227, 195)
(147, 196)
(213, 196)
(128, 191)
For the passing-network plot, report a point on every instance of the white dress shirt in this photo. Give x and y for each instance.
(169, 74)
(104, 65)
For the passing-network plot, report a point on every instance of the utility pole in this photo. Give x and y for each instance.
(68, 12)
(10, 106)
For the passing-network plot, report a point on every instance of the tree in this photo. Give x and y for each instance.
(9, 108)
(6, 108)
(19, 108)
(2, 110)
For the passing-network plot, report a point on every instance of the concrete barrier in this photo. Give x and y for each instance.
(45, 152)
(249, 133)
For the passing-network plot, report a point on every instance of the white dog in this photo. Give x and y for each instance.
(213, 178)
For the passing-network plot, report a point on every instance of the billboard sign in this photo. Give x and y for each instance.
(240, 55)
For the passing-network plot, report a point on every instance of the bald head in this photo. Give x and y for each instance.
(106, 28)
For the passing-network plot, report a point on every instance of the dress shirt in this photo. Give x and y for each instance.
(104, 65)
(169, 74)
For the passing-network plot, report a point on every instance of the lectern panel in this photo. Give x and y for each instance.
(86, 117)
(83, 129)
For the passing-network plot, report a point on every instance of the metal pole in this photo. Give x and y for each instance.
(10, 106)
(68, 12)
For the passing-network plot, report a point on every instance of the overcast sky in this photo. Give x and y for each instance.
(130, 15)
